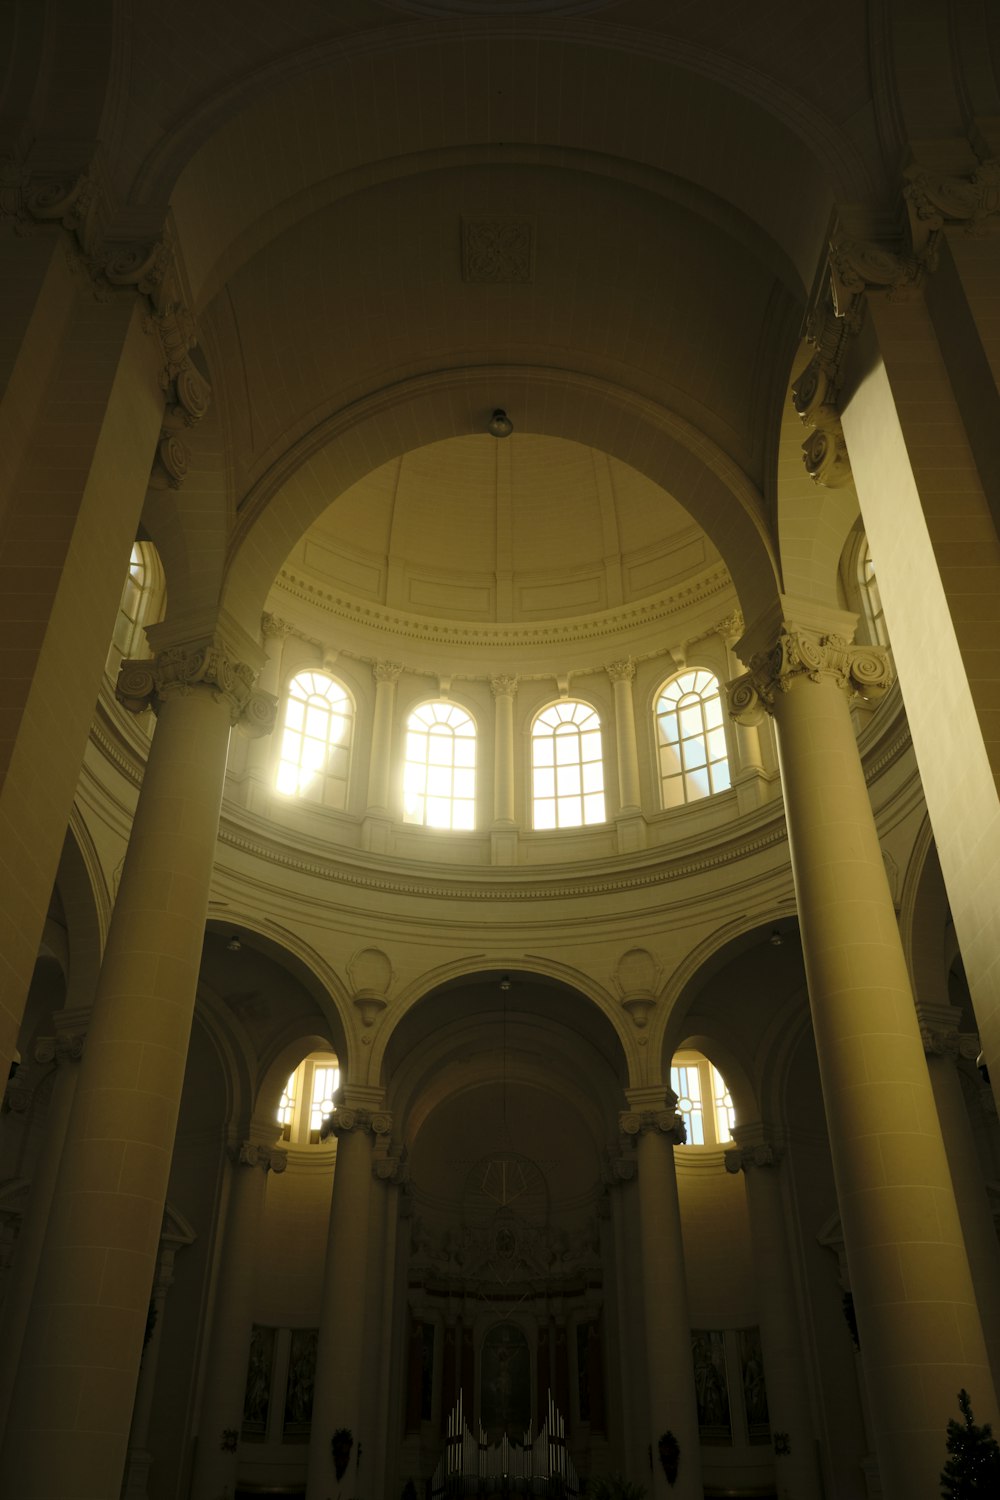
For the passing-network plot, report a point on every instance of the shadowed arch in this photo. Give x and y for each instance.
(558, 403)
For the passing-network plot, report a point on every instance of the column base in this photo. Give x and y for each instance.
(630, 826)
(376, 833)
(752, 788)
(503, 845)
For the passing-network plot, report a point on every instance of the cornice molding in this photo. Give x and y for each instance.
(485, 635)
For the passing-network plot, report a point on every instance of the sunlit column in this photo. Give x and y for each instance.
(346, 1350)
(504, 689)
(793, 1432)
(386, 674)
(232, 1321)
(920, 1332)
(622, 674)
(72, 1405)
(262, 753)
(656, 1129)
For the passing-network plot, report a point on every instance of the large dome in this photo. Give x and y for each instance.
(513, 530)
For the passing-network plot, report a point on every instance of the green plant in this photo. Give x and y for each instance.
(973, 1470)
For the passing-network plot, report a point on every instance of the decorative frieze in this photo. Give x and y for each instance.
(198, 664)
(807, 654)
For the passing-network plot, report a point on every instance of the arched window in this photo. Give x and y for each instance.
(703, 1100)
(141, 604)
(439, 778)
(567, 767)
(316, 740)
(870, 597)
(307, 1099)
(691, 739)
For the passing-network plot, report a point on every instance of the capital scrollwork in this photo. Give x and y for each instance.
(760, 1154)
(862, 670)
(254, 1154)
(940, 1041)
(387, 671)
(504, 685)
(622, 670)
(345, 1120)
(933, 200)
(663, 1121)
(201, 664)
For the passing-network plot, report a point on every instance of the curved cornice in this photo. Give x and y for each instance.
(480, 635)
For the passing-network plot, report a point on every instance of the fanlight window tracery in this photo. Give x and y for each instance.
(703, 1100)
(316, 740)
(439, 776)
(567, 767)
(691, 739)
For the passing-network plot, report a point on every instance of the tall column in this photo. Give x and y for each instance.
(795, 1473)
(225, 1375)
(656, 1128)
(64, 1049)
(140, 1461)
(927, 487)
(920, 1333)
(622, 674)
(72, 1404)
(343, 1354)
(389, 1174)
(75, 456)
(942, 1046)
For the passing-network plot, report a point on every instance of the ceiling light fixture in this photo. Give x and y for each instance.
(234, 945)
(775, 939)
(500, 424)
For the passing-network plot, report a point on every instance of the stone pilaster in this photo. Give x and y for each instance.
(378, 816)
(503, 834)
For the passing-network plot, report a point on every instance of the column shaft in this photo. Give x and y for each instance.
(796, 1477)
(341, 1353)
(76, 456)
(386, 675)
(622, 674)
(503, 760)
(72, 1405)
(920, 1333)
(225, 1376)
(672, 1406)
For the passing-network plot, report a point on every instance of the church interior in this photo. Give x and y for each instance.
(499, 747)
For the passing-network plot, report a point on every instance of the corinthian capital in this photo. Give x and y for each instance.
(504, 685)
(204, 665)
(932, 201)
(386, 671)
(253, 1154)
(345, 1120)
(663, 1121)
(806, 654)
(621, 671)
